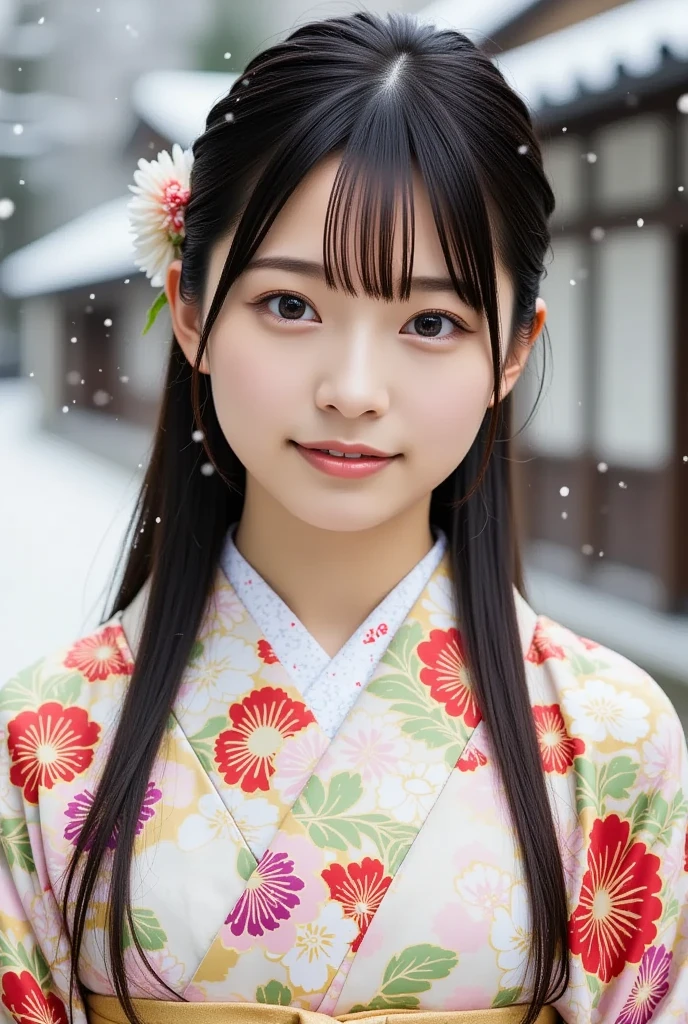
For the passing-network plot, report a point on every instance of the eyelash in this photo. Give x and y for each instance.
(261, 305)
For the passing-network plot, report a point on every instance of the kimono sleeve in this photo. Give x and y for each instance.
(629, 925)
(34, 950)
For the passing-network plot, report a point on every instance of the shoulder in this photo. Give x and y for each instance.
(608, 703)
(90, 670)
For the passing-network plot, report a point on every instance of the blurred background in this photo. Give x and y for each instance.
(87, 87)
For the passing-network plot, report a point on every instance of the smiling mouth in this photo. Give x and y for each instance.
(338, 462)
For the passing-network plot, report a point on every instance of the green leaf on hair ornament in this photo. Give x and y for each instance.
(154, 310)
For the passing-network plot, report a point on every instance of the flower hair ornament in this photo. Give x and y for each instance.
(156, 216)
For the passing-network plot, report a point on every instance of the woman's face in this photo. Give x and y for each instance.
(296, 366)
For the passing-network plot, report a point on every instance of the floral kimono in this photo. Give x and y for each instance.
(340, 843)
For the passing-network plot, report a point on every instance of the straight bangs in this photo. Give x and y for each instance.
(369, 232)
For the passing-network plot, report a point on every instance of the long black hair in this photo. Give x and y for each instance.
(390, 97)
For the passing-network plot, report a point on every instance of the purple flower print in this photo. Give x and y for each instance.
(78, 808)
(650, 987)
(269, 896)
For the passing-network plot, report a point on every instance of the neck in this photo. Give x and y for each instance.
(330, 580)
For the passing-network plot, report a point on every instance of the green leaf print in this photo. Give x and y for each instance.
(14, 838)
(18, 958)
(246, 864)
(617, 777)
(411, 971)
(400, 654)
(656, 817)
(582, 665)
(506, 996)
(148, 930)
(32, 687)
(274, 993)
(64, 689)
(595, 986)
(212, 728)
(595, 784)
(196, 651)
(203, 741)
(436, 729)
(326, 814)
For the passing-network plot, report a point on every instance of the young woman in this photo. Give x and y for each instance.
(323, 760)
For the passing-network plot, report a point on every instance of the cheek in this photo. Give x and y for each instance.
(449, 408)
(254, 385)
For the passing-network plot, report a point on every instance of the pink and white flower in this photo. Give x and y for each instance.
(320, 945)
(599, 710)
(156, 213)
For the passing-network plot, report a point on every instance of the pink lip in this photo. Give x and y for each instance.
(335, 465)
(350, 449)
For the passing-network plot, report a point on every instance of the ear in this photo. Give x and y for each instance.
(186, 319)
(521, 351)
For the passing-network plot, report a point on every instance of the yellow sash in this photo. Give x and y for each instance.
(108, 1010)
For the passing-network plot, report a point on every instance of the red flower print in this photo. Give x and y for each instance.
(446, 674)
(471, 759)
(24, 999)
(542, 648)
(618, 906)
(261, 722)
(49, 745)
(266, 653)
(360, 888)
(557, 748)
(685, 862)
(99, 656)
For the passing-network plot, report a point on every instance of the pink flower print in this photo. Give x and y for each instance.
(650, 987)
(371, 747)
(78, 808)
(296, 761)
(269, 897)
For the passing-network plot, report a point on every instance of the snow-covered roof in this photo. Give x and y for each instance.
(588, 56)
(176, 103)
(550, 70)
(96, 246)
(476, 18)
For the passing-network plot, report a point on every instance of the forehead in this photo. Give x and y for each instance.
(299, 227)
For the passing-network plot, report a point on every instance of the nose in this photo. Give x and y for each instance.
(354, 383)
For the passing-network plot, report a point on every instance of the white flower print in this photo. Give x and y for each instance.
(662, 752)
(484, 886)
(440, 603)
(219, 679)
(212, 823)
(255, 817)
(510, 936)
(319, 945)
(372, 747)
(599, 710)
(413, 790)
(224, 611)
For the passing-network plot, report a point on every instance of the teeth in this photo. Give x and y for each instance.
(352, 456)
(340, 454)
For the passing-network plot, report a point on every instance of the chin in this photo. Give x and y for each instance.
(338, 518)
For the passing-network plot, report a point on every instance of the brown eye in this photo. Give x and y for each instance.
(290, 307)
(433, 325)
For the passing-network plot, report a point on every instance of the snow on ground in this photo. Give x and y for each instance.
(63, 514)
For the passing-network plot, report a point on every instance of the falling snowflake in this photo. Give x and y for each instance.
(6, 209)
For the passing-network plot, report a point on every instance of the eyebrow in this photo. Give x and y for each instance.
(312, 269)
